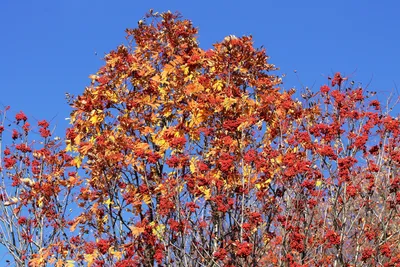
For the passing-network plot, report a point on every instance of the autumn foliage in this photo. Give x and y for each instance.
(179, 156)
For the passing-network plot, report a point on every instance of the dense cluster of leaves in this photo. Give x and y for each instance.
(189, 157)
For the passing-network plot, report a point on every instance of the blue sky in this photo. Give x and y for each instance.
(51, 47)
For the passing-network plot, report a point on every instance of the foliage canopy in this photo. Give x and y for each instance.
(179, 156)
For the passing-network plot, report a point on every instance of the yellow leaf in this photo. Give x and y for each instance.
(167, 113)
(318, 183)
(69, 147)
(89, 258)
(40, 202)
(144, 146)
(93, 119)
(247, 170)
(188, 78)
(218, 85)
(77, 139)
(108, 202)
(160, 141)
(263, 184)
(74, 225)
(136, 231)
(167, 70)
(193, 165)
(162, 90)
(243, 125)
(95, 116)
(117, 254)
(77, 161)
(159, 231)
(93, 77)
(228, 102)
(179, 188)
(72, 180)
(160, 188)
(206, 192)
(147, 199)
(185, 69)
(279, 159)
(111, 96)
(197, 118)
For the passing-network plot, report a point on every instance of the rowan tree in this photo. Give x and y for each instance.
(189, 157)
(176, 149)
(344, 209)
(35, 191)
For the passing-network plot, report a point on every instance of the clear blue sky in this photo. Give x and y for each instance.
(49, 48)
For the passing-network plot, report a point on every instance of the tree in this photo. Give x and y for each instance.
(187, 157)
(35, 192)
